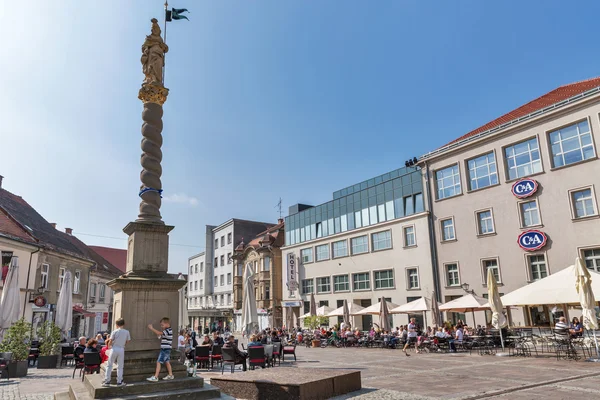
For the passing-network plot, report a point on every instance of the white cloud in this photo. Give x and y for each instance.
(181, 198)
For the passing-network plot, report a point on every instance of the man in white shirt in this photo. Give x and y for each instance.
(119, 338)
(411, 335)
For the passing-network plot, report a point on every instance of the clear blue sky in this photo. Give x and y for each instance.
(269, 99)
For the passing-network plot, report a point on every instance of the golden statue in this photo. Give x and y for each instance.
(153, 56)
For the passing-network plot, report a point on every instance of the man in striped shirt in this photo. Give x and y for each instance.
(166, 343)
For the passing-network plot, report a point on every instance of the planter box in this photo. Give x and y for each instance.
(316, 343)
(47, 362)
(17, 369)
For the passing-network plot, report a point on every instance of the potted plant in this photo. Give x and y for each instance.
(313, 322)
(49, 335)
(16, 341)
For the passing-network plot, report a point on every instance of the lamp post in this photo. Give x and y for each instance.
(465, 287)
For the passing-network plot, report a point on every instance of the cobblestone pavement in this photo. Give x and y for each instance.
(39, 384)
(390, 375)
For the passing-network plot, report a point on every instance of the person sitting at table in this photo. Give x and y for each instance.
(240, 356)
(275, 337)
(440, 334)
(561, 329)
(80, 348)
(91, 346)
(104, 352)
(254, 342)
(576, 328)
(217, 340)
(206, 341)
(480, 331)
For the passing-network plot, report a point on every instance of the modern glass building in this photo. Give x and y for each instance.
(393, 195)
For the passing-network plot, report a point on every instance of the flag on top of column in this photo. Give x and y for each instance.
(175, 14)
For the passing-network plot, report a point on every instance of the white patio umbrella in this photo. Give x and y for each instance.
(421, 305)
(249, 313)
(64, 306)
(290, 318)
(468, 302)
(322, 311)
(313, 305)
(583, 285)
(353, 309)
(10, 304)
(346, 312)
(498, 319)
(435, 311)
(375, 309)
(384, 314)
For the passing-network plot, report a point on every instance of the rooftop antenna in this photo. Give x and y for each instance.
(279, 208)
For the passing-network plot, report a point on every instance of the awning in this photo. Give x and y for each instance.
(81, 311)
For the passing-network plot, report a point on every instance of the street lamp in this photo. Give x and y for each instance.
(465, 287)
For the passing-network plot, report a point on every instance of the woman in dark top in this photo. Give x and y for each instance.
(275, 337)
(576, 328)
(91, 346)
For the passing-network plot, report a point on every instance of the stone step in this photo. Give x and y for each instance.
(206, 393)
(94, 386)
(62, 396)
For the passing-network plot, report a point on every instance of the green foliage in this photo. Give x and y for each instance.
(315, 321)
(49, 335)
(17, 339)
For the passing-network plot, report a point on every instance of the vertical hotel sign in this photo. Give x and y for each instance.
(292, 272)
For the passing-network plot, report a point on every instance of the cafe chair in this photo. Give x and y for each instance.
(91, 364)
(289, 349)
(216, 355)
(256, 357)
(202, 356)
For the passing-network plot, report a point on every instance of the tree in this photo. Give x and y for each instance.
(49, 335)
(16, 340)
(315, 321)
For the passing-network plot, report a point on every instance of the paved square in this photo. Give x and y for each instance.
(389, 374)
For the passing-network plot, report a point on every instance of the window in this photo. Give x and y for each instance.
(61, 278)
(323, 285)
(583, 203)
(306, 255)
(448, 182)
(360, 245)
(216, 281)
(307, 286)
(191, 269)
(412, 278)
(229, 297)
(409, 205)
(93, 291)
(267, 263)
(448, 229)
(571, 144)
(102, 294)
(361, 281)
(222, 244)
(216, 262)
(384, 279)
(409, 236)
(222, 261)
(452, 277)
(228, 258)
(530, 213)
(382, 240)
(482, 171)
(222, 297)
(493, 265)
(267, 292)
(537, 267)
(216, 243)
(340, 249)
(201, 267)
(222, 280)
(229, 278)
(44, 276)
(592, 259)
(196, 285)
(341, 284)
(523, 159)
(229, 238)
(322, 252)
(201, 284)
(485, 222)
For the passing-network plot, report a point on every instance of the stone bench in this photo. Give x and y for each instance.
(289, 383)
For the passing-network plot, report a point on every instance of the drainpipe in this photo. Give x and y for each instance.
(27, 284)
(432, 240)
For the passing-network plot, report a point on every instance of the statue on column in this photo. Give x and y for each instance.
(153, 56)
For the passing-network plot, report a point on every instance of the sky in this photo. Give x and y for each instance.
(268, 99)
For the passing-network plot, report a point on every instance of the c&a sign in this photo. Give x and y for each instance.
(524, 188)
(532, 240)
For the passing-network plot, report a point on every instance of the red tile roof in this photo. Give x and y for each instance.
(557, 95)
(117, 257)
(9, 228)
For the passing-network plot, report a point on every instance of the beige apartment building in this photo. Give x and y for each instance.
(371, 241)
(533, 169)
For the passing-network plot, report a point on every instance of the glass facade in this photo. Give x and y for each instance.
(387, 197)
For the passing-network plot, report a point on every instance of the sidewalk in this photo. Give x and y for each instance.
(39, 384)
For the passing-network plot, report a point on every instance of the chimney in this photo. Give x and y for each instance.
(1, 177)
(69, 231)
(280, 221)
(53, 224)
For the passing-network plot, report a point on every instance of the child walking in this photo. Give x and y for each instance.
(118, 339)
(166, 343)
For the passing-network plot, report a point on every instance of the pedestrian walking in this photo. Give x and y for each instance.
(118, 339)
(166, 343)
